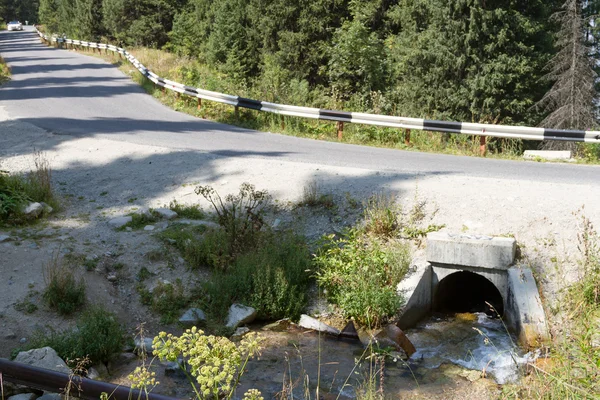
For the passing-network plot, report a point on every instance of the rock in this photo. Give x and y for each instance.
(45, 357)
(349, 331)
(33, 210)
(307, 322)
(239, 333)
(112, 277)
(9, 335)
(50, 396)
(173, 368)
(398, 355)
(397, 335)
(149, 228)
(280, 326)
(92, 373)
(276, 223)
(4, 238)
(192, 317)
(47, 208)
(240, 314)
(145, 212)
(23, 340)
(120, 222)
(23, 396)
(101, 369)
(470, 375)
(165, 213)
(198, 222)
(145, 345)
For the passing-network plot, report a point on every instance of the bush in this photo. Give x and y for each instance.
(192, 211)
(273, 279)
(360, 275)
(240, 216)
(381, 215)
(166, 299)
(99, 336)
(63, 292)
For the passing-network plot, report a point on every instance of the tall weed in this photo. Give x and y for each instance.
(63, 292)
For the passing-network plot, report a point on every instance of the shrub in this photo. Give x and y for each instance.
(360, 275)
(273, 279)
(311, 197)
(98, 336)
(63, 292)
(240, 216)
(166, 299)
(192, 211)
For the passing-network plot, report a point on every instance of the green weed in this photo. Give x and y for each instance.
(193, 211)
(381, 215)
(166, 299)
(63, 293)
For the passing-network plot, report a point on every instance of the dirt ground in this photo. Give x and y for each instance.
(98, 179)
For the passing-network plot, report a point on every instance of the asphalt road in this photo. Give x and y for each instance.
(77, 95)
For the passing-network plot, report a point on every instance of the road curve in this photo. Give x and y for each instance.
(78, 95)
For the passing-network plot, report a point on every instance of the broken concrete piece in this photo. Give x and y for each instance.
(165, 213)
(44, 357)
(307, 322)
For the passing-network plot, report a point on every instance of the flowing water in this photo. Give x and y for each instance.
(473, 341)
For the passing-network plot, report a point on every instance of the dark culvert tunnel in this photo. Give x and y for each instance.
(467, 292)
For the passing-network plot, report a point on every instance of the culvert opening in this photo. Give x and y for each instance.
(467, 292)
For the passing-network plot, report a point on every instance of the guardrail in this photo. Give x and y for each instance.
(341, 117)
(75, 386)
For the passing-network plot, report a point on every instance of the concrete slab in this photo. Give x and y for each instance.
(471, 250)
(416, 290)
(525, 313)
(547, 154)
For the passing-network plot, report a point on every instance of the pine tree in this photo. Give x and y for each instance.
(571, 100)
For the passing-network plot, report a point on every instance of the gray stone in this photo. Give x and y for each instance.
(239, 333)
(10, 335)
(149, 228)
(279, 326)
(165, 213)
(33, 210)
(92, 373)
(307, 322)
(120, 222)
(470, 250)
(192, 317)
(50, 396)
(23, 340)
(525, 312)
(547, 154)
(47, 208)
(240, 314)
(276, 223)
(23, 396)
(146, 345)
(112, 277)
(45, 357)
(198, 222)
(4, 238)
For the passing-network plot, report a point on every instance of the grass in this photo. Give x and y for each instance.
(312, 197)
(18, 190)
(98, 336)
(166, 299)
(5, 73)
(193, 211)
(381, 215)
(140, 220)
(63, 293)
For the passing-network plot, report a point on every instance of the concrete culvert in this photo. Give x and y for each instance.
(467, 292)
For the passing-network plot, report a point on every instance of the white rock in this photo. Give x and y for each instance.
(149, 228)
(33, 209)
(307, 322)
(240, 314)
(4, 238)
(165, 213)
(92, 373)
(45, 357)
(192, 316)
(276, 223)
(50, 396)
(47, 208)
(120, 222)
(146, 345)
(23, 396)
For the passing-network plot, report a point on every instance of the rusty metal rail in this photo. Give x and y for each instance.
(57, 382)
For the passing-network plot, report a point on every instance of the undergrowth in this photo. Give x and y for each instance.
(18, 190)
(64, 292)
(5, 73)
(166, 299)
(98, 336)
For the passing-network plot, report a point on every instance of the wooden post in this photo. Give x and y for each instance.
(199, 103)
(236, 112)
(339, 126)
(282, 122)
(407, 137)
(482, 146)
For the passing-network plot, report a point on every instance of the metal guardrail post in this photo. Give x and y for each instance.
(199, 103)
(407, 137)
(339, 126)
(482, 146)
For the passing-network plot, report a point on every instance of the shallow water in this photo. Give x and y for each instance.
(481, 344)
